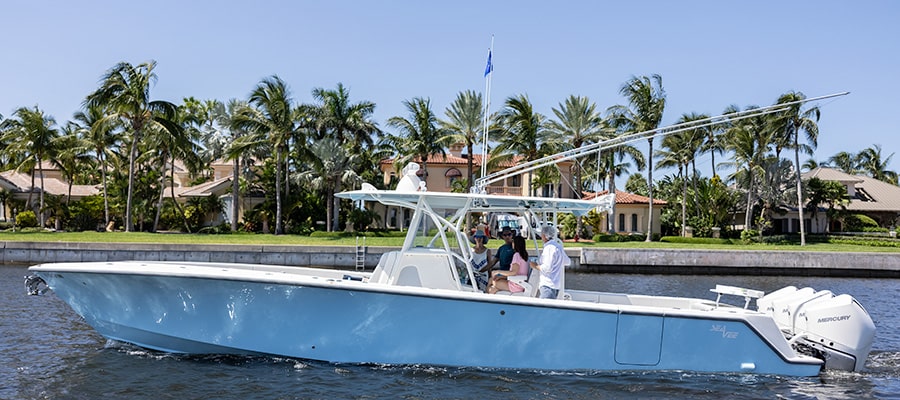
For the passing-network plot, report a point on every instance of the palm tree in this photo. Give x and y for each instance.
(647, 100)
(845, 162)
(348, 123)
(199, 117)
(32, 134)
(421, 134)
(577, 123)
(125, 95)
(681, 151)
(465, 122)
(714, 141)
(104, 139)
(344, 120)
(742, 139)
(748, 141)
(811, 164)
(228, 118)
(790, 123)
(72, 155)
(271, 120)
(870, 162)
(821, 192)
(330, 165)
(522, 130)
(178, 142)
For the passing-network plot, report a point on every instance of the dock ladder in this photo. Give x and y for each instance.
(361, 254)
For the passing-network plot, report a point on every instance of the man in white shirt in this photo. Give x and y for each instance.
(552, 263)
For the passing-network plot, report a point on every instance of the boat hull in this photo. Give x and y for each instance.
(355, 322)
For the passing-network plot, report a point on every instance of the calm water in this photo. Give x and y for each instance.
(47, 352)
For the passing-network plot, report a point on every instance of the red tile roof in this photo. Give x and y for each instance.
(453, 160)
(626, 198)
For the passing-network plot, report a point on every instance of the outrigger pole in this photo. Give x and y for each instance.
(481, 183)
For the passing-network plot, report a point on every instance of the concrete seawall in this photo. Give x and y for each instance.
(740, 262)
(609, 260)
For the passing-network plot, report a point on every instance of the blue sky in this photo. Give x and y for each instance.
(710, 53)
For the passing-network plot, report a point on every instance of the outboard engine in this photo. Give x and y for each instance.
(836, 329)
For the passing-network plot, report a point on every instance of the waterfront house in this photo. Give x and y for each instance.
(868, 196)
(443, 170)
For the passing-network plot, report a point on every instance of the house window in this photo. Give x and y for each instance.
(621, 222)
(514, 181)
(452, 175)
(634, 223)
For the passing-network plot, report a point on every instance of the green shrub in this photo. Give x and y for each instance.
(631, 237)
(603, 237)
(223, 228)
(749, 235)
(694, 240)
(858, 223)
(342, 234)
(26, 219)
(865, 241)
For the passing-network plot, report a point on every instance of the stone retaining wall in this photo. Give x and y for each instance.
(611, 260)
(740, 262)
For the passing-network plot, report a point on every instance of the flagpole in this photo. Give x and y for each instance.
(488, 74)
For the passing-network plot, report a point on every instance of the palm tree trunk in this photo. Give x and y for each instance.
(162, 192)
(235, 205)
(799, 192)
(336, 206)
(278, 226)
(650, 191)
(41, 208)
(611, 216)
(129, 224)
(105, 197)
(694, 184)
(329, 210)
(470, 164)
(31, 190)
(749, 199)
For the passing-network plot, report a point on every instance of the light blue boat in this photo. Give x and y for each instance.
(414, 309)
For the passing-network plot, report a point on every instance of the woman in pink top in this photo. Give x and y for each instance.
(519, 266)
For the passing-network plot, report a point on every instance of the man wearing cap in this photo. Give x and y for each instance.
(505, 253)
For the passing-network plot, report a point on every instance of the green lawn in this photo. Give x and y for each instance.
(825, 247)
(260, 239)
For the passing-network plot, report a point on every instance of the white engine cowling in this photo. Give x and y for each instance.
(836, 328)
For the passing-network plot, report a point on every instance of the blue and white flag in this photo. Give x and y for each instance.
(490, 67)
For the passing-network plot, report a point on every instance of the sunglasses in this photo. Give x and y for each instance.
(506, 234)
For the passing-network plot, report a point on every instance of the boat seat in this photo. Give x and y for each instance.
(530, 285)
